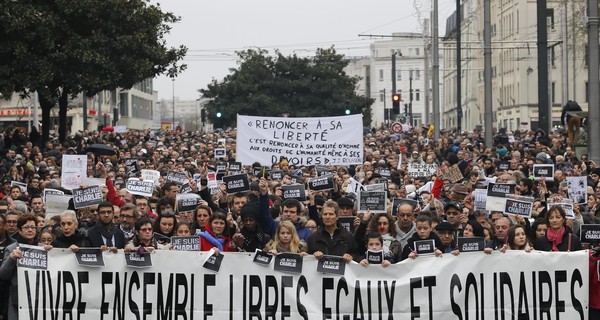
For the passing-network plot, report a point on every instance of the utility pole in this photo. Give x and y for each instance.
(393, 86)
(593, 82)
(436, 73)
(426, 71)
(458, 71)
(544, 108)
(487, 74)
(173, 124)
(385, 110)
(565, 55)
(410, 109)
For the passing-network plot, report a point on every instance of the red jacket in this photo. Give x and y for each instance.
(206, 245)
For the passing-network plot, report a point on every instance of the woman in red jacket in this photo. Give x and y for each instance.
(215, 235)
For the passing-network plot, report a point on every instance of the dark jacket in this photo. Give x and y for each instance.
(340, 243)
(96, 240)
(410, 244)
(543, 244)
(78, 239)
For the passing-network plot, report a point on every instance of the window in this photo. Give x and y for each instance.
(124, 105)
(417, 51)
(381, 95)
(552, 56)
(417, 74)
(553, 93)
(417, 95)
(380, 74)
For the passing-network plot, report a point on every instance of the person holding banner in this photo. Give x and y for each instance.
(26, 225)
(383, 224)
(165, 226)
(424, 231)
(144, 240)
(516, 240)
(286, 240)
(69, 236)
(559, 237)
(105, 234)
(216, 235)
(331, 238)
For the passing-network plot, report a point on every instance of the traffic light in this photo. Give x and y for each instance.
(396, 103)
(219, 114)
(347, 111)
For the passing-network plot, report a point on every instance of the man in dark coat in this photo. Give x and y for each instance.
(105, 234)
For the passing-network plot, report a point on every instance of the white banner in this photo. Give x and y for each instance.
(468, 286)
(303, 141)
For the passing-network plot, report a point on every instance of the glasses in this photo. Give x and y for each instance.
(28, 227)
(146, 229)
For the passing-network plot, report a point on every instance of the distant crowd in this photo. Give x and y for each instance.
(439, 207)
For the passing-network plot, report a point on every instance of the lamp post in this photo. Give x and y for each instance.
(173, 123)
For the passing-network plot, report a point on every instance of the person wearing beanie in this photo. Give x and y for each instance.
(250, 236)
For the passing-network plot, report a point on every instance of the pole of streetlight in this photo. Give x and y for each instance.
(593, 82)
(487, 73)
(436, 74)
(173, 123)
(458, 71)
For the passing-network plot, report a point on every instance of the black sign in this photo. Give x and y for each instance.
(372, 200)
(139, 187)
(347, 222)
(236, 183)
(543, 170)
(87, 197)
(137, 260)
(187, 202)
(261, 172)
(425, 246)
(590, 233)
(321, 183)
(277, 175)
(187, 243)
(503, 166)
(518, 207)
(323, 171)
(331, 264)
(500, 189)
(262, 257)
(396, 202)
(385, 173)
(185, 188)
(288, 262)
(375, 257)
(176, 177)
(470, 244)
(221, 167)
(213, 262)
(294, 191)
(90, 257)
(33, 257)
(235, 166)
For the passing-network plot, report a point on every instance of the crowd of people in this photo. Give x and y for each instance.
(443, 210)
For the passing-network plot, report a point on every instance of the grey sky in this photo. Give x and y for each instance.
(214, 30)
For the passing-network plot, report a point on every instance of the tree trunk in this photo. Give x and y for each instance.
(46, 106)
(63, 104)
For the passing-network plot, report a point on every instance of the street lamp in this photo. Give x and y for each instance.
(173, 123)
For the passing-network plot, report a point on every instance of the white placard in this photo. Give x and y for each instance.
(303, 141)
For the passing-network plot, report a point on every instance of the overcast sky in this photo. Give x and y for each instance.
(214, 29)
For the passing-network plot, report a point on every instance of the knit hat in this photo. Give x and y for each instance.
(542, 156)
(249, 210)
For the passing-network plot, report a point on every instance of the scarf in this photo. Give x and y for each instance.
(555, 238)
(217, 242)
(106, 233)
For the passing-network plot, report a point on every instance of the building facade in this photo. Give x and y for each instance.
(411, 73)
(515, 67)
